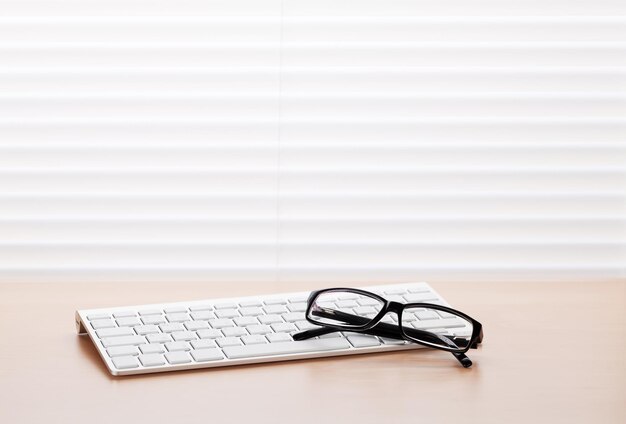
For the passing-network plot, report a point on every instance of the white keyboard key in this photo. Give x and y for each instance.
(114, 332)
(368, 301)
(443, 314)
(363, 340)
(270, 319)
(177, 317)
(196, 325)
(202, 315)
(98, 316)
(158, 338)
(175, 309)
(183, 336)
(209, 334)
(298, 299)
(125, 362)
(297, 307)
(284, 327)
(284, 348)
(275, 309)
(278, 337)
(388, 341)
(234, 331)
(228, 341)
(249, 340)
(226, 313)
(128, 322)
(331, 335)
(102, 323)
(170, 327)
(123, 341)
(365, 310)
(293, 316)
(229, 305)
(259, 329)
(395, 291)
(425, 315)
(151, 360)
(276, 301)
(305, 325)
(177, 358)
(408, 317)
(152, 348)
(122, 351)
(142, 330)
(177, 346)
(204, 355)
(438, 323)
(247, 303)
(419, 297)
(251, 311)
(346, 304)
(203, 344)
(221, 323)
(246, 321)
(153, 319)
(201, 308)
(124, 314)
(150, 312)
(419, 289)
(348, 296)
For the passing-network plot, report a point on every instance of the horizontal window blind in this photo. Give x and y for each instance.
(335, 141)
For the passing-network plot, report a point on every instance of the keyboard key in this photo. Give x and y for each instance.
(177, 317)
(171, 327)
(277, 301)
(252, 311)
(418, 289)
(177, 346)
(246, 321)
(102, 323)
(365, 310)
(226, 313)
(152, 348)
(249, 340)
(275, 309)
(153, 319)
(398, 290)
(124, 314)
(98, 316)
(175, 309)
(259, 329)
(368, 301)
(298, 299)
(425, 315)
(205, 355)
(221, 323)
(202, 315)
(297, 307)
(419, 297)
(284, 348)
(388, 341)
(229, 305)
(209, 334)
(247, 303)
(196, 325)
(270, 319)
(278, 337)
(201, 308)
(125, 362)
(150, 312)
(177, 358)
(228, 341)
(123, 341)
(122, 351)
(438, 323)
(284, 327)
(363, 341)
(128, 322)
(142, 330)
(114, 332)
(158, 338)
(293, 316)
(183, 336)
(234, 331)
(203, 344)
(305, 325)
(151, 360)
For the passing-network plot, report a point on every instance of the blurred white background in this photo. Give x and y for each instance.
(326, 140)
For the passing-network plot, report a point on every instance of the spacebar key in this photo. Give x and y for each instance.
(285, 348)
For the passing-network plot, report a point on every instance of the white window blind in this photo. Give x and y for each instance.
(348, 141)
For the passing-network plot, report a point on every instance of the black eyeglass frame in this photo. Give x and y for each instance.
(397, 308)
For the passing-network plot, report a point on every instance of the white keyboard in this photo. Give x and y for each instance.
(233, 331)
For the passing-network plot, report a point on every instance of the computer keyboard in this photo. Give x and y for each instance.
(234, 331)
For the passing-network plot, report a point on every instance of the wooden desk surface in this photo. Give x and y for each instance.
(553, 353)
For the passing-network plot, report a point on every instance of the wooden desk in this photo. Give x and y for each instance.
(553, 353)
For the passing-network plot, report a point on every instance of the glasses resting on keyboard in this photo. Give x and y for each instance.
(354, 310)
(245, 330)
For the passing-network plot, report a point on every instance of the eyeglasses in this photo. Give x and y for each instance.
(436, 326)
